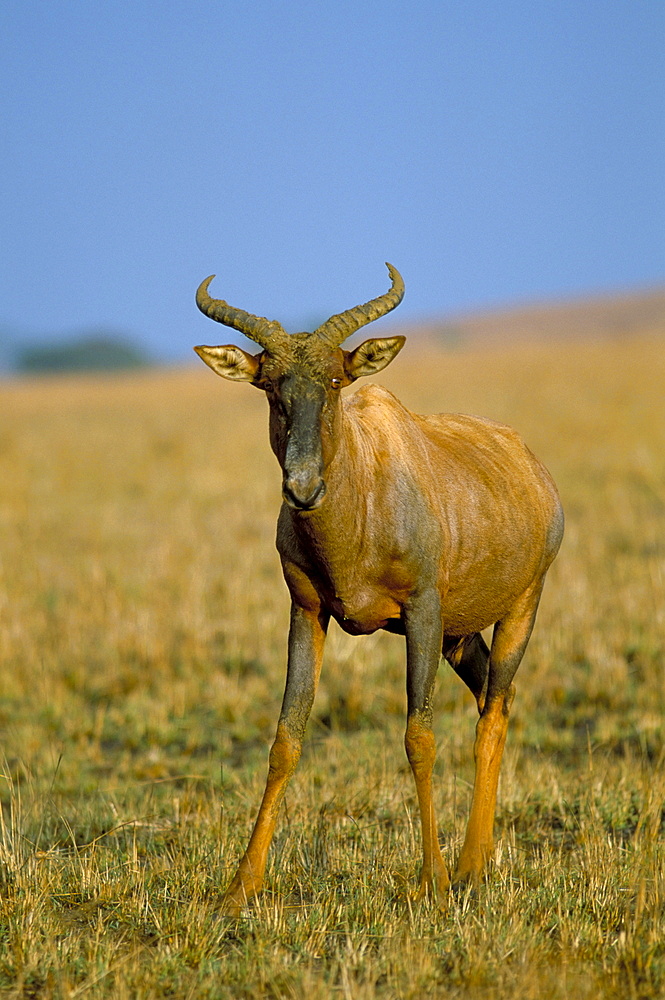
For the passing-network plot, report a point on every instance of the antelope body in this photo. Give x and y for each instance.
(434, 527)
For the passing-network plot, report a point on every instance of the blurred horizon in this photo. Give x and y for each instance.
(500, 158)
(611, 317)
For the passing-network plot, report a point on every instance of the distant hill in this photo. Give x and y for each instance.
(595, 317)
(88, 353)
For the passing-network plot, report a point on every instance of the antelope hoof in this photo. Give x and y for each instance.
(236, 897)
(471, 865)
(467, 877)
(435, 889)
(230, 907)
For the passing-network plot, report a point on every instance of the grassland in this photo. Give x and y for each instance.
(142, 641)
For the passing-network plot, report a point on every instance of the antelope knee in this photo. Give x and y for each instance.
(284, 754)
(419, 745)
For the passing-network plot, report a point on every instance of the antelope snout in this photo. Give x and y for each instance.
(303, 492)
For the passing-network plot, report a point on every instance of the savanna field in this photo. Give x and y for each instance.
(143, 623)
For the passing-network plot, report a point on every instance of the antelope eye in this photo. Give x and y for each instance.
(336, 383)
(267, 385)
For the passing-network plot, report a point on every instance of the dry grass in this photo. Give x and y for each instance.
(142, 639)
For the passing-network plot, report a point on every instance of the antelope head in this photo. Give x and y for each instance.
(302, 375)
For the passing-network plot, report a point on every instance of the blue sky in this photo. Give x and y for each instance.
(495, 152)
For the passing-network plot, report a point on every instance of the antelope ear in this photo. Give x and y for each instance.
(372, 356)
(231, 362)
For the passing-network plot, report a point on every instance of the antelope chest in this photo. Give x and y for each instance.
(363, 613)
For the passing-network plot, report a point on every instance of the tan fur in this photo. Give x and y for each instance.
(485, 501)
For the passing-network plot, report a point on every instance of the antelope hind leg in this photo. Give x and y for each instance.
(469, 657)
(509, 642)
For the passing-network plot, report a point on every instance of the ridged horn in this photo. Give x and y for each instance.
(268, 333)
(339, 327)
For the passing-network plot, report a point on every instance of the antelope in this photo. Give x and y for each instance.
(432, 527)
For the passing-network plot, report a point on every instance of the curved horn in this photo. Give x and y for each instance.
(267, 333)
(339, 327)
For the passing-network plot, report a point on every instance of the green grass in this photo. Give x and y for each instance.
(143, 629)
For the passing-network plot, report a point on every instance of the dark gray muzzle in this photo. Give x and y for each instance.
(304, 492)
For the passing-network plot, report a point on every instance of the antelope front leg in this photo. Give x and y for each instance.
(306, 637)
(424, 635)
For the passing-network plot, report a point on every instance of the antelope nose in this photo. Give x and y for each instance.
(304, 494)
